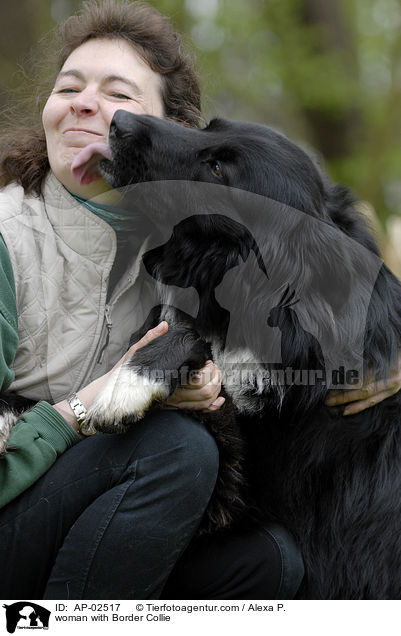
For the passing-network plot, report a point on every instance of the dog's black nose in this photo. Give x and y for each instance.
(122, 124)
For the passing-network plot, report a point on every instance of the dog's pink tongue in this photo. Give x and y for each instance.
(85, 165)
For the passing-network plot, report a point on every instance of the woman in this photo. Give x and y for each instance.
(114, 514)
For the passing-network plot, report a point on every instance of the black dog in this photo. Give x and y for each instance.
(333, 481)
(291, 292)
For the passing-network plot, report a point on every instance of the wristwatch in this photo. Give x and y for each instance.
(80, 413)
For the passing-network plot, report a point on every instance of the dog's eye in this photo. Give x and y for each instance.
(216, 169)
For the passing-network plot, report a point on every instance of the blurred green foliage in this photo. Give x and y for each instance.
(325, 72)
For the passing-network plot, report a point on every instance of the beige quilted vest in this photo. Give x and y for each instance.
(62, 255)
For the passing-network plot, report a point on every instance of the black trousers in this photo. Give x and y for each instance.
(115, 516)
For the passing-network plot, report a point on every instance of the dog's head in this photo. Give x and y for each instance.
(242, 155)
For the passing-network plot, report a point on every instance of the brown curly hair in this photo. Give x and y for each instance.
(23, 153)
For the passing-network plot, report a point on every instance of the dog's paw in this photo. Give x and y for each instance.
(124, 400)
(8, 419)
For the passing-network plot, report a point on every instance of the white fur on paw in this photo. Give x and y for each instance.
(126, 394)
(7, 420)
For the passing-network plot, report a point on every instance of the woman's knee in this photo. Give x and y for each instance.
(190, 445)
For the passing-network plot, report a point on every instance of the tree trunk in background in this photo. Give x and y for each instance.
(334, 132)
(21, 26)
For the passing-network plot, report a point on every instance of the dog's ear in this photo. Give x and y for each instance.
(327, 255)
(342, 208)
(342, 250)
(331, 264)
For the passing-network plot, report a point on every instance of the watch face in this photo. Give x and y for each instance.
(86, 429)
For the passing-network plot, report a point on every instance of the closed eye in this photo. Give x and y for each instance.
(68, 90)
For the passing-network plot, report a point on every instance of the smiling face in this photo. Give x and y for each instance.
(98, 78)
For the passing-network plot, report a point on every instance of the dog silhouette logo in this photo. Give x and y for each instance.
(26, 615)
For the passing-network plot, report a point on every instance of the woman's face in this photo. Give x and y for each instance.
(98, 78)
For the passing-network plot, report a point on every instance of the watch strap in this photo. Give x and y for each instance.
(80, 413)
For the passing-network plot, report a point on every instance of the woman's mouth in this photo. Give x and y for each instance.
(81, 131)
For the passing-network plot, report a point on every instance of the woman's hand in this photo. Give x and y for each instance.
(150, 335)
(368, 395)
(88, 393)
(201, 394)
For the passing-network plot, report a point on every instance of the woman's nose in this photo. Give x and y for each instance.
(85, 102)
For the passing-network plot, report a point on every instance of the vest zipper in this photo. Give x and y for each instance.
(108, 307)
(109, 326)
